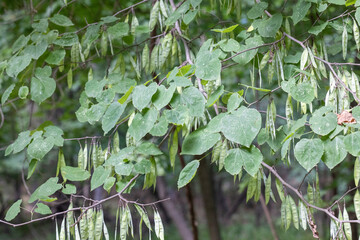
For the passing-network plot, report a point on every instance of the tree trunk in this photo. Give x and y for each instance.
(172, 210)
(208, 197)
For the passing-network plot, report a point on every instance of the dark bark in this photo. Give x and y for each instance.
(208, 197)
(172, 210)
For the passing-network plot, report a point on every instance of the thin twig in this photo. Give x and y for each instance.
(301, 197)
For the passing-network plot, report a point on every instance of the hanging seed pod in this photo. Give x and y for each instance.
(145, 58)
(154, 15)
(134, 24)
(70, 78)
(356, 35)
(289, 111)
(103, 44)
(304, 59)
(344, 42)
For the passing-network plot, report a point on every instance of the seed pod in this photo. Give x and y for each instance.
(90, 223)
(84, 231)
(154, 15)
(70, 221)
(216, 151)
(264, 60)
(312, 59)
(134, 24)
(163, 9)
(356, 35)
(99, 224)
(288, 31)
(103, 44)
(344, 42)
(223, 154)
(75, 55)
(145, 58)
(271, 71)
(61, 65)
(304, 58)
(289, 111)
(70, 78)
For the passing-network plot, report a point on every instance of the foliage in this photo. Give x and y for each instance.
(148, 66)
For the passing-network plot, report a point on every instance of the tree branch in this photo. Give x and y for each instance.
(119, 194)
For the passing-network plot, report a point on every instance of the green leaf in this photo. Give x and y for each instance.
(226, 30)
(20, 143)
(308, 152)
(234, 102)
(119, 157)
(142, 124)
(109, 182)
(215, 96)
(247, 56)
(93, 88)
(55, 57)
(69, 189)
(46, 189)
(257, 10)
(300, 10)
(251, 159)
(119, 30)
(42, 85)
(54, 134)
(74, 173)
(66, 40)
(39, 147)
(230, 45)
(318, 28)
(99, 177)
(148, 148)
(352, 143)
(96, 112)
(42, 209)
(176, 116)
(41, 25)
(124, 169)
(334, 152)
(242, 126)
(7, 93)
(163, 96)
(208, 65)
(336, 2)
(31, 169)
(350, 2)
(143, 166)
(91, 34)
(142, 95)
(188, 173)
(111, 116)
(61, 20)
(17, 65)
(23, 92)
(36, 51)
(323, 121)
(193, 99)
(13, 210)
(303, 92)
(199, 142)
(233, 161)
(20, 43)
(269, 27)
(160, 128)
